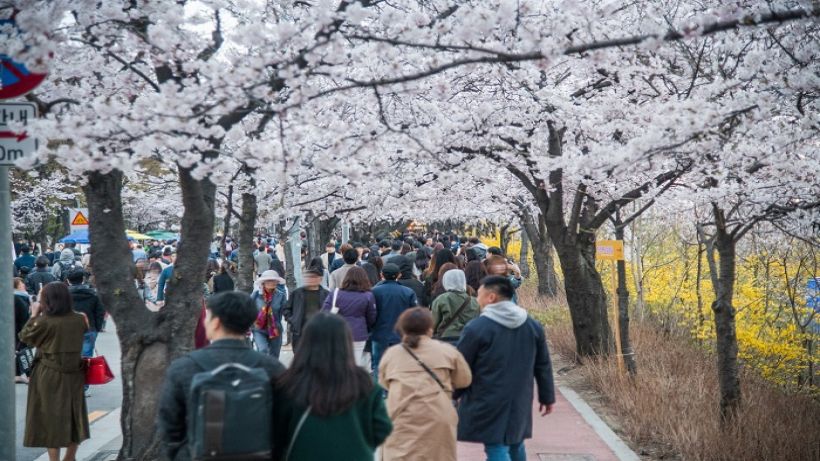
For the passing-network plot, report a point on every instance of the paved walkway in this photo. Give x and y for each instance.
(572, 432)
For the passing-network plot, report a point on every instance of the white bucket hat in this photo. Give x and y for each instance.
(270, 275)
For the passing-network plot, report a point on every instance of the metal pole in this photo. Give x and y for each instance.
(294, 246)
(7, 393)
(345, 231)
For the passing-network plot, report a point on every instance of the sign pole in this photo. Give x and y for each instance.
(617, 317)
(7, 393)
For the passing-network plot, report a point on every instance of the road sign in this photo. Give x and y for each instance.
(15, 79)
(79, 219)
(15, 145)
(609, 250)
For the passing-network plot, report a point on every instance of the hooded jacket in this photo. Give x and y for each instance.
(87, 302)
(446, 305)
(60, 268)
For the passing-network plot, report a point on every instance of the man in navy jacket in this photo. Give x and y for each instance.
(391, 300)
(505, 349)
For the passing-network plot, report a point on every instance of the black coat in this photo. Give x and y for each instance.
(39, 276)
(294, 310)
(223, 282)
(87, 302)
(497, 407)
(22, 313)
(173, 413)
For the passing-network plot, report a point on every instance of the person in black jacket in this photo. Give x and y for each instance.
(22, 313)
(223, 281)
(305, 302)
(86, 302)
(40, 277)
(228, 317)
(409, 280)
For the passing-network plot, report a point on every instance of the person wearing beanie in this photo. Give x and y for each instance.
(454, 308)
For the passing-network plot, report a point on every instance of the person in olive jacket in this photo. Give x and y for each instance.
(305, 302)
(454, 308)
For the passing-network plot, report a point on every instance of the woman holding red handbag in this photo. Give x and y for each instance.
(56, 412)
(270, 299)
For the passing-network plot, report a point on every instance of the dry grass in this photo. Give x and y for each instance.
(670, 409)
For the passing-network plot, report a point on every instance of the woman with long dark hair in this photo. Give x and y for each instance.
(438, 289)
(420, 375)
(354, 302)
(325, 406)
(441, 258)
(56, 412)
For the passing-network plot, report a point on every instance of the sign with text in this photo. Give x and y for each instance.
(609, 250)
(16, 144)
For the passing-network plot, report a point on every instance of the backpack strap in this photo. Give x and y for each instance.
(206, 363)
(444, 326)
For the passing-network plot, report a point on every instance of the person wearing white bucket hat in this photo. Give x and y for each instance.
(267, 330)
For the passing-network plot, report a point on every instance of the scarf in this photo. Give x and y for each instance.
(264, 320)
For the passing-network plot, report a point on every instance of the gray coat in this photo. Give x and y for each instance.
(173, 406)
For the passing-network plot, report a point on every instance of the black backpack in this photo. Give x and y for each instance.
(65, 268)
(230, 413)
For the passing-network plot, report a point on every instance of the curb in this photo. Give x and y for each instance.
(105, 430)
(621, 450)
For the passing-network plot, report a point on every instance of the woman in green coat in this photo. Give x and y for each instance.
(325, 407)
(56, 414)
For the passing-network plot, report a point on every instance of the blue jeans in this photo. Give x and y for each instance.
(499, 452)
(89, 339)
(266, 345)
(377, 350)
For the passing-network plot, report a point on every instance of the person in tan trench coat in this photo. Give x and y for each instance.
(56, 412)
(420, 406)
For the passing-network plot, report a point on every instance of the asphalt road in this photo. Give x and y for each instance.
(103, 398)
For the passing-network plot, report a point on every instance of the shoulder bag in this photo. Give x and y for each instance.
(444, 326)
(296, 432)
(333, 308)
(426, 368)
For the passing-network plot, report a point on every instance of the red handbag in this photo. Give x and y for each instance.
(97, 371)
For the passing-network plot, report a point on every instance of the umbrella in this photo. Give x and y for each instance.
(137, 236)
(162, 235)
(80, 236)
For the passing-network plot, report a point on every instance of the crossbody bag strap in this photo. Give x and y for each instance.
(296, 432)
(444, 326)
(424, 365)
(333, 308)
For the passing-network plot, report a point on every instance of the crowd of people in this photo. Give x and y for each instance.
(409, 344)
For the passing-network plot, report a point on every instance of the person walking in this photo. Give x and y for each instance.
(228, 317)
(454, 308)
(223, 281)
(326, 407)
(420, 376)
(430, 276)
(267, 330)
(501, 266)
(85, 301)
(356, 304)
(22, 312)
(350, 257)
(305, 302)
(438, 288)
(329, 255)
(474, 270)
(507, 351)
(24, 263)
(40, 277)
(391, 300)
(61, 268)
(408, 279)
(56, 412)
(262, 260)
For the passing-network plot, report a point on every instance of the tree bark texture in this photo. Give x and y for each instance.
(247, 224)
(319, 232)
(226, 223)
(524, 256)
(541, 253)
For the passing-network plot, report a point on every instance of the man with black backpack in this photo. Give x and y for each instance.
(64, 265)
(216, 402)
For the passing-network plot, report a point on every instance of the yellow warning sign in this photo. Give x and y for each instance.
(609, 250)
(79, 219)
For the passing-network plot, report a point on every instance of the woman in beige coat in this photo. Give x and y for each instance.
(420, 375)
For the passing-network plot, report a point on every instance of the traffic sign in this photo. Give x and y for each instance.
(609, 250)
(15, 79)
(15, 145)
(79, 219)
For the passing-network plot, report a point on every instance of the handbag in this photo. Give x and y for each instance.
(444, 326)
(97, 371)
(25, 360)
(333, 308)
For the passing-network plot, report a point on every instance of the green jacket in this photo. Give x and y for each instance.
(445, 306)
(350, 436)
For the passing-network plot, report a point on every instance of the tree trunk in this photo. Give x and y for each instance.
(623, 311)
(504, 238)
(541, 253)
(524, 256)
(244, 280)
(728, 373)
(319, 232)
(226, 223)
(148, 340)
